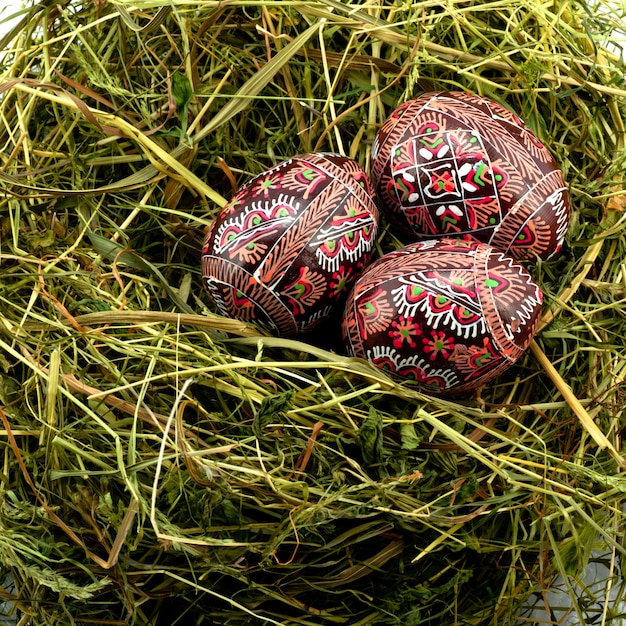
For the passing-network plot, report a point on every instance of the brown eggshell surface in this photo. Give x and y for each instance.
(457, 164)
(285, 250)
(445, 314)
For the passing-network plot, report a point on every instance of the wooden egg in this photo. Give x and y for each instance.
(456, 164)
(283, 253)
(446, 314)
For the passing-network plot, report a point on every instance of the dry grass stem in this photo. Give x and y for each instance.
(162, 464)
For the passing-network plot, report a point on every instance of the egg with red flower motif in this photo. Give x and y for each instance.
(445, 314)
(285, 250)
(457, 164)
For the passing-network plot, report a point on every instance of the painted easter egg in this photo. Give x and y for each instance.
(455, 164)
(284, 251)
(444, 314)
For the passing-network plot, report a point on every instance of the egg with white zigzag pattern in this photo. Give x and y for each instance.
(444, 314)
(285, 250)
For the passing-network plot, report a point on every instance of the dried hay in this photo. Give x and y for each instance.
(163, 465)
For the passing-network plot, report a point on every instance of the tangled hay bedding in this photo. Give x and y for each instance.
(163, 465)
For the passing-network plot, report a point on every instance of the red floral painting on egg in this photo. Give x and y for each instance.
(448, 315)
(446, 183)
(348, 236)
(413, 368)
(304, 291)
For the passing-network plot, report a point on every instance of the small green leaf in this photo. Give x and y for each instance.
(270, 407)
(410, 439)
(181, 91)
(182, 94)
(371, 438)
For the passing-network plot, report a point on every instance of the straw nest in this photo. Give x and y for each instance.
(164, 465)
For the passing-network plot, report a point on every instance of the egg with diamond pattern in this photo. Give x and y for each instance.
(457, 164)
